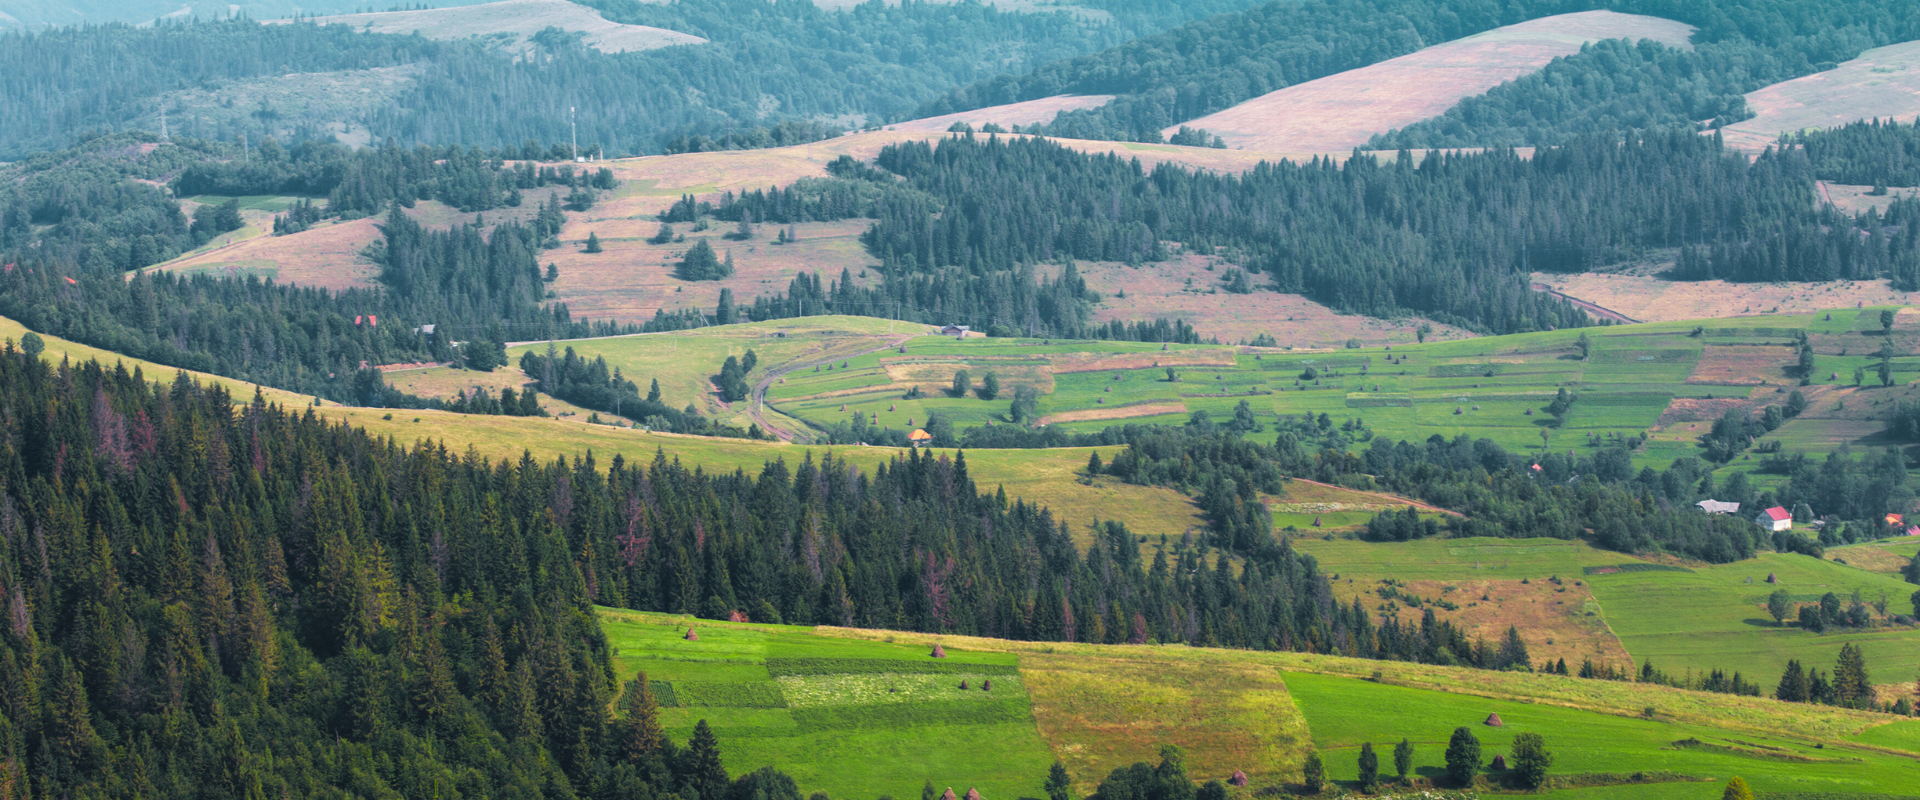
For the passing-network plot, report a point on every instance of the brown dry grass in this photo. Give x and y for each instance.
(1064, 363)
(1026, 113)
(1340, 112)
(1743, 365)
(520, 19)
(1183, 288)
(1883, 82)
(1116, 412)
(631, 279)
(934, 376)
(1696, 415)
(1554, 623)
(1651, 299)
(1103, 711)
(1879, 557)
(1857, 200)
(327, 255)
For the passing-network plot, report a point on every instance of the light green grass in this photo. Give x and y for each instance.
(1345, 712)
(1713, 617)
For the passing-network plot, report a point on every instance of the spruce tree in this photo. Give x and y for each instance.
(1463, 757)
(1059, 784)
(703, 776)
(593, 242)
(1737, 789)
(1313, 774)
(1851, 686)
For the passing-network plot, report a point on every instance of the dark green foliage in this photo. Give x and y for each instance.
(961, 384)
(732, 381)
(702, 264)
(1530, 760)
(1463, 757)
(1025, 409)
(1313, 774)
(1003, 205)
(293, 586)
(989, 386)
(1369, 775)
(1059, 784)
(360, 183)
(593, 243)
(484, 355)
(32, 345)
(1875, 152)
(1403, 759)
(1143, 781)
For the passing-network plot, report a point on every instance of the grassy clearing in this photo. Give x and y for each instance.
(1345, 712)
(1715, 616)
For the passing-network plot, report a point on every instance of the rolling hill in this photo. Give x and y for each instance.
(1882, 83)
(1338, 113)
(511, 25)
(872, 713)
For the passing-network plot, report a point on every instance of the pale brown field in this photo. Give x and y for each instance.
(1651, 299)
(1026, 113)
(936, 376)
(1116, 412)
(1184, 288)
(514, 22)
(1554, 623)
(1340, 112)
(631, 278)
(327, 255)
(1888, 557)
(1883, 82)
(1748, 365)
(1856, 200)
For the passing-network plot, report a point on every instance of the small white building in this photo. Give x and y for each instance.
(1775, 519)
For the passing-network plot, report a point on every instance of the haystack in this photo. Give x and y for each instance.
(691, 636)
(949, 794)
(1239, 779)
(973, 794)
(1771, 578)
(938, 652)
(737, 616)
(963, 684)
(1500, 763)
(1493, 720)
(986, 685)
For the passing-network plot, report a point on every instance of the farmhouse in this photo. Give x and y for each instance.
(920, 438)
(955, 331)
(1894, 519)
(1775, 519)
(1718, 507)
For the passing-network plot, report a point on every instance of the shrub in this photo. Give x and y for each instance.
(1313, 774)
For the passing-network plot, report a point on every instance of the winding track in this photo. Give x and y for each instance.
(757, 399)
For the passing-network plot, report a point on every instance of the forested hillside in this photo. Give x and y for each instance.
(204, 603)
(1386, 238)
(766, 63)
(1213, 64)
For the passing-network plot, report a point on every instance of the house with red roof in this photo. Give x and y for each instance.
(1775, 519)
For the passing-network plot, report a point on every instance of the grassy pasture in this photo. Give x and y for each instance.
(1345, 712)
(1712, 617)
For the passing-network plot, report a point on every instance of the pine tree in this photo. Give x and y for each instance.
(1851, 686)
(1059, 784)
(703, 775)
(638, 734)
(593, 242)
(1737, 789)
(1793, 684)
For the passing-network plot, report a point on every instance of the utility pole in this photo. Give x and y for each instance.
(573, 149)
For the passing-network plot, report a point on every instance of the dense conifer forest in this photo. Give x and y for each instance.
(1386, 238)
(209, 603)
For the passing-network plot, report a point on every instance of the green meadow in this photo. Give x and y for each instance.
(848, 717)
(1345, 712)
(859, 713)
